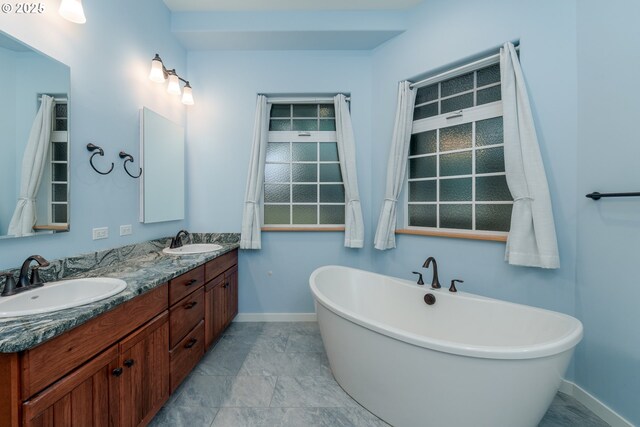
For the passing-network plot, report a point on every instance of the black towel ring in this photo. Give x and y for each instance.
(97, 151)
(129, 158)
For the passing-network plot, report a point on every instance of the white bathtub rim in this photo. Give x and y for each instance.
(557, 346)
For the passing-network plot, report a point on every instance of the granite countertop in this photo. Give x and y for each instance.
(142, 266)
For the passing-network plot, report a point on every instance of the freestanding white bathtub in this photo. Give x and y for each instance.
(464, 361)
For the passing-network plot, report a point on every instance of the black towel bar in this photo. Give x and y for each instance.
(597, 196)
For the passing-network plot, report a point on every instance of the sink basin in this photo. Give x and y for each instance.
(54, 296)
(197, 248)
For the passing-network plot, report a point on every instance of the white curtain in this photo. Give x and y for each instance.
(251, 223)
(385, 234)
(33, 164)
(353, 223)
(532, 238)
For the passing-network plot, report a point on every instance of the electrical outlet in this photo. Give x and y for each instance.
(100, 233)
(126, 230)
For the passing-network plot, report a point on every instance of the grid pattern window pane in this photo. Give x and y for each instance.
(59, 160)
(303, 180)
(456, 173)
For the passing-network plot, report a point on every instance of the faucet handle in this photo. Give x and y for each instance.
(420, 281)
(9, 284)
(35, 276)
(452, 288)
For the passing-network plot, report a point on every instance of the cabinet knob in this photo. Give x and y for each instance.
(191, 282)
(190, 305)
(191, 343)
(117, 372)
(129, 363)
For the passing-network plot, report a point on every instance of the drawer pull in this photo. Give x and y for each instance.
(129, 363)
(190, 305)
(191, 343)
(191, 282)
(116, 372)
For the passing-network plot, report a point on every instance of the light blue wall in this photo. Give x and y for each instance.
(219, 144)
(608, 288)
(109, 59)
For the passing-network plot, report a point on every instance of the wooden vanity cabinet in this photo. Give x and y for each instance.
(119, 368)
(220, 295)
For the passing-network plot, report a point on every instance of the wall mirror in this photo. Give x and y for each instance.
(162, 158)
(34, 138)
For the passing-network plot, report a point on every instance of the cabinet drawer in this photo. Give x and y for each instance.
(220, 264)
(185, 315)
(186, 355)
(183, 285)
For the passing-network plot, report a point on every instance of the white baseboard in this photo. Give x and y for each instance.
(607, 414)
(275, 317)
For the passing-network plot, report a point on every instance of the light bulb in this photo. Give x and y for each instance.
(157, 71)
(187, 95)
(72, 10)
(174, 84)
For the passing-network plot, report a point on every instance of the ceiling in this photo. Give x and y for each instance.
(282, 5)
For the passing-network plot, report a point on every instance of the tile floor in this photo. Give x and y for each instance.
(277, 374)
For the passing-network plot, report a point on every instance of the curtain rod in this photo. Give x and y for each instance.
(302, 100)
(463, 69)
(55, 99)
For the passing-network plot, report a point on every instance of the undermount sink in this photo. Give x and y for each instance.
(54, 296)
(196, 248)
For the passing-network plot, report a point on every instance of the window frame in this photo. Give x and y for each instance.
(294, 137)
(444, 120)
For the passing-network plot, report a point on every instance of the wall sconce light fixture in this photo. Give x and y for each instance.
(72, 10)
(159, 74)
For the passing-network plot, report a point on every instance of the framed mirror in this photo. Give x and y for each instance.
(34, 139)
(162, 157)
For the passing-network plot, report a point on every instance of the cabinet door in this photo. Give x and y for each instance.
(231, 277)
(215, 310)
(88, 396)
(144, 358)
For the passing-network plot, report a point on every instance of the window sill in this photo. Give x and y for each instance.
(302, 228)
(456, 235)
(51, 227)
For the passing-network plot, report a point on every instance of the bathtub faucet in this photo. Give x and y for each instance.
(435, 283)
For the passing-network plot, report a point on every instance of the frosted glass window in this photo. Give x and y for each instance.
(423, 143)
(304, 172)
(304, 151)
(303, 182)
(423, 215)
(305, 193)
(331, 214)
(278, 152)
(276, 214)
(455, 174)
(328, 152)
(303, 214)
(277, 193)
(456, 137)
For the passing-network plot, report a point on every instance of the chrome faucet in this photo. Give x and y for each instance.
(176, 242)
(435, 283)
(25, 282)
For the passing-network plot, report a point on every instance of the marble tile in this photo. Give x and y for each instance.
(184, 416)
(223, 360)
(225, 391)
(567, 411)
(305, 328)
(308, 392)
(289, 364)
(244, 328)
(296, 417)
(299, 343)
